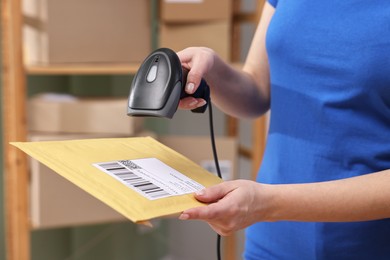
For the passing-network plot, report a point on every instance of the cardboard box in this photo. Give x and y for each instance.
(67, 114)
(195, 10)
(215, 35)
(75, 31)
(199, 150)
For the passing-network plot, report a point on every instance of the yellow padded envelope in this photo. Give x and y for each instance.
(139, 177)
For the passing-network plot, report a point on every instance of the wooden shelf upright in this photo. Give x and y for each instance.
(14, 121)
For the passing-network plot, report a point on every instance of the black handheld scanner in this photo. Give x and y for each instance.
(159, 85)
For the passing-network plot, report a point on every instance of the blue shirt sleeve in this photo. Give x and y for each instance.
(274, 3)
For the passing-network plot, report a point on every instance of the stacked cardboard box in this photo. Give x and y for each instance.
(58, 113)
(72, 31)
(206, 23)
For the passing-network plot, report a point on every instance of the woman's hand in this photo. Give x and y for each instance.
(198, 61)
(233, 205)
(237, 204)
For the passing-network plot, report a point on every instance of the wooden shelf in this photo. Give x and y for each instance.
(82, 69)
(90, 68)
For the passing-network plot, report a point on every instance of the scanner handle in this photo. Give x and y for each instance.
(203, 91)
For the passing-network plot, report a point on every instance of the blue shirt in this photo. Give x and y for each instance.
(330, 119)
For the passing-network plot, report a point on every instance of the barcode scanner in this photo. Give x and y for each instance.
(157, 88)
(159, 85)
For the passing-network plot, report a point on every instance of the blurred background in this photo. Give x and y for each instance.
(66, 71)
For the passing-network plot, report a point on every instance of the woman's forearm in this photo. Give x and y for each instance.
(247, 92)
(360, 198)
(237, 93)
(240, 93)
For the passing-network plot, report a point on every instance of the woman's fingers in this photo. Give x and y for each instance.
(198, 61)
(232, 205)
(210, 195)
(216, 192)
(220, 216)
(191, 103)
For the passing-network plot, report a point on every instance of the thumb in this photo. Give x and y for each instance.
(214, 193)
(193, 80)
(195, 74)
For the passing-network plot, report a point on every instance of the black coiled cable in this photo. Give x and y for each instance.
(211, 123)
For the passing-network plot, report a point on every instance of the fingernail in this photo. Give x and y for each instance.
(190, 88)
(199, 192)
(193, 103)
(184, 216)
(201, 103)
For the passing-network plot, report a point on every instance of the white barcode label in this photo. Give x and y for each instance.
(150, 177)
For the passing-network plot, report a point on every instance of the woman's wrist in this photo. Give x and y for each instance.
(268, 203)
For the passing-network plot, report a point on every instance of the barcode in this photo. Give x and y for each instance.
(146, 187)
(130, 164)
